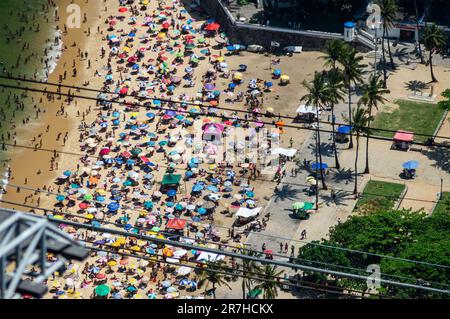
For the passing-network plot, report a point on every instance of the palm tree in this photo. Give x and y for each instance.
(269, 284)
(212, 274)
(335, 87)
(389, 11)
(248, 266)
(360, 121)
(333, 52)
(434, 40)
(353, 72)
(418, 32)
(317, 95)
(372, 95)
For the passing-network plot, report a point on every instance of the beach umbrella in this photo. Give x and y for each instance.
(113, 207)
(344, 129)
(298, 205)
(277, 72)
(166, 284)
(410, 164)
(60, 198)
(171, 192)
(214, 26)
(250, 194)
(102, 290)
(231, 48)
(319, 166)
(122, 9)
(202, 211)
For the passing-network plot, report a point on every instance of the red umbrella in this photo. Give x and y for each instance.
(104, 151)
(176, 223)
(123, 9)
(83, 205)
(123, 91)
(126, 154)
(112, 23)
(166, 25)
(101, 276)
(212, 27)
(132, 59)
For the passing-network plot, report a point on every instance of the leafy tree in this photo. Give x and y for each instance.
(446, 103)
(269, 285)
(372, 96)
(317, 95)
(248, 266)
(434, 41)
(389, 11)
(333, 52)
(353, 72)
(360, 126)
(335, 94)
(211, 274)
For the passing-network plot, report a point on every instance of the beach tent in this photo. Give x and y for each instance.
(204, 256)
(176, 223)
(213, 132)
(247, 212)
(289, 152)
(171, 181)
(403, 139)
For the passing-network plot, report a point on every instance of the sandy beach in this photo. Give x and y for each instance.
(120, 155)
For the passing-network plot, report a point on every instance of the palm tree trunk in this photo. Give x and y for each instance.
(418, 33)
(433, 78)
(319, 149)
(355, 190)
(390, 53)
(243, 285)
(336, 160)
(384, 58)
(214, 290)
(366, 170)
(350, 145)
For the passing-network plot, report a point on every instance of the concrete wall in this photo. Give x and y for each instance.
(247, 34)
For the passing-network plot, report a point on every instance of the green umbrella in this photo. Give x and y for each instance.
(298, 205)
(202, 40)
(180, 55)
(102, 290)
(88, 197)
(136, 151)
(308, 206)
(255, 293)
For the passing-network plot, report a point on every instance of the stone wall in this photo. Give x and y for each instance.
(246, 34)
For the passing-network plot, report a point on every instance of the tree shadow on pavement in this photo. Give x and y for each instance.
(326, 149)
(343, 175)
(341, 197)
(440, 155)
(287, 192)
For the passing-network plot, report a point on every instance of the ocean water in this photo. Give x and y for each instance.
(25, 29)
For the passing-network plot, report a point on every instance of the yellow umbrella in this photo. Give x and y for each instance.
(112, 263)
(126, 49)
(237, 76)
(56, 284)
(161, 35)
(132, 281)
(116, 244)
(140, 272)
(101, 192)
(270, 109)
(136, 248)
(145, 2)
(134, 114)
(220, 59)
(58, 217)
(284, 78)
(138, 296)
(141, 242)
(121, 240)
(89, 216)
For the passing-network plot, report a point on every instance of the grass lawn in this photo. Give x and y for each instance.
(443, 205)
(380, 195)
(410, 116)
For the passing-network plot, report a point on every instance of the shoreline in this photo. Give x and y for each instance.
(18, 158)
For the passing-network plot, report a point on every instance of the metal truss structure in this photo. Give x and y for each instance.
(25, 242)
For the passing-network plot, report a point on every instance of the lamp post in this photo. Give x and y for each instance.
(440, 194)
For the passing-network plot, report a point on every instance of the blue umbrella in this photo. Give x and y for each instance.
(130, 162)
(60, 198)
(269, 84)
(169, 204)
(171, 113)
(132, 34)
(202, 211)
(113, 207)
(100, 199)
(150, 115)
(135, 67)
(212, 188)
(231, 48)
(250, 194)
(318, 166)
(148, 204)
(171, 87)
(171, 192)
(104, 124)
(116, 122)
(95, 223)
(189, 173)
(116, 114)
(410, 164)
(67, 173)
(277, 72)
(345, 129)
(198, 187)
